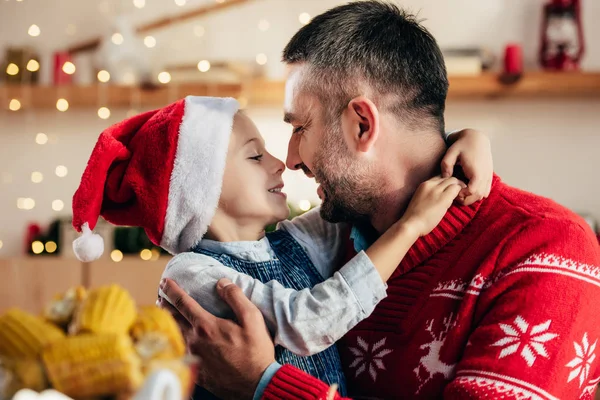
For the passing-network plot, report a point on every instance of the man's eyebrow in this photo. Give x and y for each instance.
(288, 117)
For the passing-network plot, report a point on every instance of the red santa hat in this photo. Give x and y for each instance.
(161, 170)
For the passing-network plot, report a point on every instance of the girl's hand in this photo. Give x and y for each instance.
(430, 203)
(472, 151)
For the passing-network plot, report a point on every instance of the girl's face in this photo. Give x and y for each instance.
(252, 184)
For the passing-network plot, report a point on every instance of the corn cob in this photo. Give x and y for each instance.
(93, 365)
(17, 374)
(152, 326)
(61, 309)
(180, 367)
(23, 335)
(108, 309)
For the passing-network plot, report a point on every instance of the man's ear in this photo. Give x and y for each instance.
(361, 124)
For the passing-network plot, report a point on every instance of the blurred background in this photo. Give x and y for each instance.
(526, 73)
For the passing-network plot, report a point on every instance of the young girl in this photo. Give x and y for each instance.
(196, 176)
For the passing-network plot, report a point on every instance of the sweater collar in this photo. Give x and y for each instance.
(455, 220)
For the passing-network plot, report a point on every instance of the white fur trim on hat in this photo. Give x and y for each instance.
(197, 175)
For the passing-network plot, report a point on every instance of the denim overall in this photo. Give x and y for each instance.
(293, 269)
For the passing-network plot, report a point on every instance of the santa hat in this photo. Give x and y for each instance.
(161, 170)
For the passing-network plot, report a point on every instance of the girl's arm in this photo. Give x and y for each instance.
(310, 320)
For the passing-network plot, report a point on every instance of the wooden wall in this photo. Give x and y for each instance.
(30, 282)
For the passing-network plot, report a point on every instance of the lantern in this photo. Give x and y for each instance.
(562, 43)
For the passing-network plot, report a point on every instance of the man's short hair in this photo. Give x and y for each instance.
(377, 44)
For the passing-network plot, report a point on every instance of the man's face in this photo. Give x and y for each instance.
(319, 148)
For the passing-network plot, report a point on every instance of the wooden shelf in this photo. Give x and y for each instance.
(540, 85)
(94, 96)
(533, 85)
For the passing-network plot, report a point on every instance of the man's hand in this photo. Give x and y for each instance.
(472, 151)
(232, 356)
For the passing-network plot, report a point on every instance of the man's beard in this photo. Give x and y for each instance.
(349, 196)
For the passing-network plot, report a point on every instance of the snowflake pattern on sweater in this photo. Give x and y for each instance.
(369, 358)
(498, 302)
(529, 343)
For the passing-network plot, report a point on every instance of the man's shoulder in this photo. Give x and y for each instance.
(525, 224)
(524, 208)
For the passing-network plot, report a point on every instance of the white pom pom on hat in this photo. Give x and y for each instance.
(89, 246)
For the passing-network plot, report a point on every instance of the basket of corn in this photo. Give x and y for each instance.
(93, 345)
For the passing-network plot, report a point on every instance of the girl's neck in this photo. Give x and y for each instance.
(226, 229)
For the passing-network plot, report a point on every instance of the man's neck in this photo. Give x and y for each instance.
(405, 176)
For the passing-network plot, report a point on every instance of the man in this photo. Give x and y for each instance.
(495, 303)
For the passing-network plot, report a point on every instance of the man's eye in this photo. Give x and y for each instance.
(257, 158)
(298, 130)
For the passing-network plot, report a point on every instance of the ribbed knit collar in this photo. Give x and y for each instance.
(455, 220)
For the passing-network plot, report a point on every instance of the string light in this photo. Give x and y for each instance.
(69, 68)
(164, 77)
(61, 171)
(203, 66)
(103, 76)
(14, 105)
(180, 3)
(37, 177)
(261, 59)
(51, 247)
(117, 38)
(199, 30)
(116, 255)
(104, 113)
(139, 3)
(155, 254)
(220, 1)
(41, 138)
(304, 205)
(145, 254)
(149, 41)
(33, 65)
(264, 25)
(29, 204)
(62, 105)
(58, 205)
(37, 247)
(1, 244)
(304, 18)
(12, 69)
(25, 203)
(34, 30)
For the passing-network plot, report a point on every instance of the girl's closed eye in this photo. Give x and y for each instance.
(257, 157)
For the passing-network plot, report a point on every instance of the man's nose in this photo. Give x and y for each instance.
(293, 160)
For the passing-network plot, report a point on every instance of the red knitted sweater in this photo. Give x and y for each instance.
(499, 301)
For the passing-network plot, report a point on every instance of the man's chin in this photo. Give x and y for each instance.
(332, 214)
